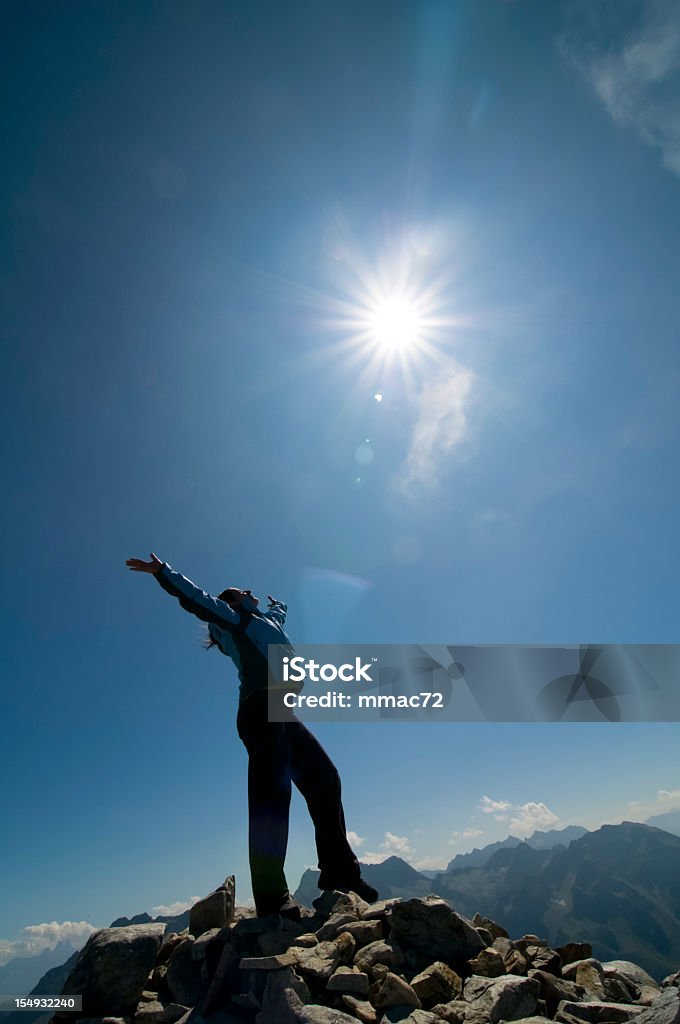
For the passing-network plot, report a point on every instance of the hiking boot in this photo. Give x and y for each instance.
(290, 909)
(360, 887)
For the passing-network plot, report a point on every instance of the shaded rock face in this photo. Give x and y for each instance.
(112, 969)
(413, 961)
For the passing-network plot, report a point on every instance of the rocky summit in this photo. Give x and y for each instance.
(414, 961)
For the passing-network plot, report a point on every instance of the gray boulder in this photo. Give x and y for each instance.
(184, 975)
(214, 911)
(394, 991)
(666, 1009)
(113, 967)
(497, 999)
(595, 1012)
(556, 990)
(438, 983)
(429, 926)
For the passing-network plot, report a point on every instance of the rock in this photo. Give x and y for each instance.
(595, 1012)
(199, 946)
(574, 951)
(284, 995)
(361, 1009)
(556, 990)
(591, 977)
(438, 983)
(394, 991)
(307, 940)
(671, 980)
(429, 926)
(365, 931)
(488, 964)
(156, 1013)
(616, 990)
(491, 926)
(217, 989)
(170, 942)
(112, 969)
(640, 977)
(514, 961)
(453, 1012)
(570, 970)
(274, 942)
(318, 962)
(269, 963)
(214, 911)
(502, 998)
(336, 924)
(402, 1015)
(382, 909)
(348, 981)
(632, 975)
(531, 1020)
(157, 978)
(542, 958)
(184, 975)
(382, 951)
(666, 1009)
(333, 902)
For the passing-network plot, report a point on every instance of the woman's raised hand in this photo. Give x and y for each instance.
(139, 565)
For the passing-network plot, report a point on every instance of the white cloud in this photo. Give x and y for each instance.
(468, 833)
(530, 817)
(636, 77)
(496, 807)
(173, 909)
(666, 800)
(36, 938)
(527, 817)
(392, 846)
(429, 864)
(440, 426)
(371, 857)
(355, 840)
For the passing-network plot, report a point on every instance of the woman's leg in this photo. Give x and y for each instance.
(269, 793)
(318, 780)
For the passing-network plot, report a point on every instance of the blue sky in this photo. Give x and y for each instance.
(205, 208)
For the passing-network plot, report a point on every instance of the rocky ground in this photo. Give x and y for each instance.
(412, 961)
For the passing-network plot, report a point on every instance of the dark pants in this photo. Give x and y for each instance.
(281, 753)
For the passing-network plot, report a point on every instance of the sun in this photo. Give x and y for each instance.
(396, 324)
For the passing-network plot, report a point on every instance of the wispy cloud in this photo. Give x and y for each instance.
(173, 909)
(36, 938)
(429, 863)
(392, 846)
(355, 840)
(466, 834)
(441, 425)
(527, 818)
(666, 800)
(498, 808)
(400, 846)
(637, 78)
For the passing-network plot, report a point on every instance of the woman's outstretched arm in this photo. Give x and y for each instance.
(191, 597)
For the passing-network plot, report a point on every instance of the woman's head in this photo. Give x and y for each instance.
(235, 598)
